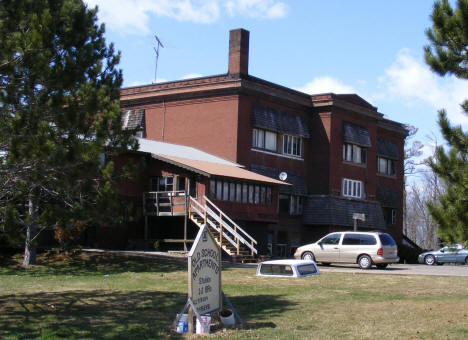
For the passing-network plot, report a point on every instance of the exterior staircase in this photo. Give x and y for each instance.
(230, 237)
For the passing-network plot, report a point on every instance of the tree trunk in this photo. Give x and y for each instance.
(31, 232)
(30, 246)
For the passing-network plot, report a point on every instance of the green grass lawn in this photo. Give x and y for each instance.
(117, 297)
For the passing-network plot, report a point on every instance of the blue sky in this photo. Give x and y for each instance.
(370, 47)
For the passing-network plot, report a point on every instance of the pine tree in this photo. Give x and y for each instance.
(59, 113)
(448, 54)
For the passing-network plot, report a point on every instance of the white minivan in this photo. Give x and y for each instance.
(364, 248)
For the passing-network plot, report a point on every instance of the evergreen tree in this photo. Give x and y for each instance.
(448, 54)
(59, 114)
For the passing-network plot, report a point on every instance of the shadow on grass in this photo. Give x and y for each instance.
(89, 264)
(257, 310)
(114, 315)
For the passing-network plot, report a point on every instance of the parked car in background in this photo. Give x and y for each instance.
(364, 248)
(450, 254)
(287, 268)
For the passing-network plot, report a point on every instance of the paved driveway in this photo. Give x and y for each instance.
(402, 269)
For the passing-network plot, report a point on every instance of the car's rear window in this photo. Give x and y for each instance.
(307, 269)
(359, 239)
(387, 240)
(276, 269)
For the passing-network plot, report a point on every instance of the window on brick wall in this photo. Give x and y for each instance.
(290, 204)
(264, 139)
(352, 188)
(292, 145)
(354, 153)
(385, 166)
(241, 192)
(389, 215)
(295, 207)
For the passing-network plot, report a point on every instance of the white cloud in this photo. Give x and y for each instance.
(264, 9)
(134, 15)
(413, 82)
(324, 85)
(191, 76)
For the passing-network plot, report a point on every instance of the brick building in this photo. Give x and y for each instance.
(337, 152)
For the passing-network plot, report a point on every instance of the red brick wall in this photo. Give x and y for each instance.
(318, 170)
(209, 124)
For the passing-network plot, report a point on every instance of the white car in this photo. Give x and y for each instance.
(363, 248)
(287, 268)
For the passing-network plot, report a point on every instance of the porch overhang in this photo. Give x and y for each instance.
(209, 169)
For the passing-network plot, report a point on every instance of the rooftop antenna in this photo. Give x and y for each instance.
(156, 50)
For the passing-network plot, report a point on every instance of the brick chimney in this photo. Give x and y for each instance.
(238, 52)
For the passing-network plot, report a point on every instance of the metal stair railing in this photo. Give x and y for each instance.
(157, 202)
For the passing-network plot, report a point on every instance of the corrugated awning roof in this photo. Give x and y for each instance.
(210, 169)
(182, 151)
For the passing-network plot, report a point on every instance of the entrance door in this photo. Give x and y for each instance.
(192, 187)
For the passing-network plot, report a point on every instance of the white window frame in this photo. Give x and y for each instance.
(292, 145)
(352, 188)
(165, 183)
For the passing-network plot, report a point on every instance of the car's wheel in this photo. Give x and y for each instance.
(308, 256)
(382, 265)
(364, 262)
(430, 260)
(466, 260)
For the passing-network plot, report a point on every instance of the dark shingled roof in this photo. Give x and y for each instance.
(387, 197)
(334, 211)
(136, 119)
(271, 119)
(298, 187)
(387, 148)
(356, 134)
